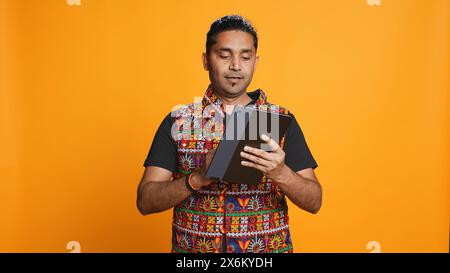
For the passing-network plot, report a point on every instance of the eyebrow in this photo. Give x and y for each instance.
(245, 50)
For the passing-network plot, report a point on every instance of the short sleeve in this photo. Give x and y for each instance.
(298, 155)
(163, 151)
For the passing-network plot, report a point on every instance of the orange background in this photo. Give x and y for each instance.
(84, 88)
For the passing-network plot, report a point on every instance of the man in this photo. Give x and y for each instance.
(215, 216)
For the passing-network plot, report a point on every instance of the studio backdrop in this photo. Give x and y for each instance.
(84, 84)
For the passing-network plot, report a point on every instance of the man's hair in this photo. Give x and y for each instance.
(229, 22)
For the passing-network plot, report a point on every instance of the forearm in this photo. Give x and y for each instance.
(160, 196)
(303, 192)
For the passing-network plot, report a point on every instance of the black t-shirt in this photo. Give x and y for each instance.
(163, 151)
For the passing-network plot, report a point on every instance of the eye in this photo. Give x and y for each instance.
(246, 58)
(224, 56)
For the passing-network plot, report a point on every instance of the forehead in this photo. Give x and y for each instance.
(236, 40)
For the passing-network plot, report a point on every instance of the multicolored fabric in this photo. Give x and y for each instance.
(222, 217)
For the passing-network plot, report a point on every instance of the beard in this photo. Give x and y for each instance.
(230, 88)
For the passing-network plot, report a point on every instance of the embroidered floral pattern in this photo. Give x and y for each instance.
(256, 245)
(208, 203)
(203, 246)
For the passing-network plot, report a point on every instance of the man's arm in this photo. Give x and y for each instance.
(302, 188)
(157, 193)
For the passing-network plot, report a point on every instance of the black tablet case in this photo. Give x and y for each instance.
(239, 132)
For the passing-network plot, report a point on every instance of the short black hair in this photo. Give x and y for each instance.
(229, 22)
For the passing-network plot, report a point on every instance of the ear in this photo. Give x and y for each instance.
(205, 61)
(256, 61)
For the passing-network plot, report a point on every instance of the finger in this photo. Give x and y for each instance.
(259, 153)
(272, 143)
(211, 153)
(253, 165)
(255, 159)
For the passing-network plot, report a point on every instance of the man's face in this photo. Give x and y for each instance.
(231, 63)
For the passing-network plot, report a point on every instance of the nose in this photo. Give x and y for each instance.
(235, 64)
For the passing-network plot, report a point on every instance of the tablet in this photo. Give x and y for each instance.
(243, 128)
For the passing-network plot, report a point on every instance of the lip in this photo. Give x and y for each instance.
(232, 78)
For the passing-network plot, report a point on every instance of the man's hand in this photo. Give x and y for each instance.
(270, 164)
(199, 179)
(304, 192)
